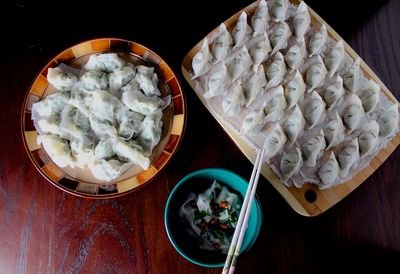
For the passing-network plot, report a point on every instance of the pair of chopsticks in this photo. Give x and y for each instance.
(241, 226)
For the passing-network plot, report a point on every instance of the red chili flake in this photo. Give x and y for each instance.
(223, 226)
(213, 221)
(223, 204)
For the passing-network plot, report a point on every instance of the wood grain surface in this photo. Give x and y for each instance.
(44, 230)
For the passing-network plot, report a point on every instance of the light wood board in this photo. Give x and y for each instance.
(296, 197)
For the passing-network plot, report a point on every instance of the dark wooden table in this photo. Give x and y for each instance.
(43, 230)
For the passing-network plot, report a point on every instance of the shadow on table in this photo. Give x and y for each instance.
(346, 16)
(360, 258)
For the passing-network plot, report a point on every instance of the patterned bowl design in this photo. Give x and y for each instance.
(174, 122)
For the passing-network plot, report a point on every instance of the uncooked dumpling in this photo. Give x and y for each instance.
(290, 164)
(329, 172)
(351, 79)
(274, 109)
(260, 50)
(348, 157)
(221, 44)
(274, 141)
(389, 121)
(334, 58)
(314, 109)
(294, 125)
(233, 103)
(276, 71)
(279, 36)
(295, 55)
(279, 10)
(317, 41)
(260, 18)
(301, 20)
(253, 86)
(295, 89)
(241, 32)
(240, 64)
(334, 92)
(369, 95)
(201, 62)
(354, 113)
(333, 131)
(312, 149)
(369, 138)
(316, 75)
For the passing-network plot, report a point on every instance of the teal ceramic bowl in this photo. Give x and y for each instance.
(197, 182)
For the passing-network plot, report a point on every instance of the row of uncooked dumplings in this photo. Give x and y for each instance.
(333, 167)
(224, 72)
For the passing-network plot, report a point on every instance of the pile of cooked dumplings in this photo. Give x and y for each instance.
(108, 116)
(273, 75)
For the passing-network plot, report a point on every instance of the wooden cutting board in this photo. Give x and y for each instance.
(308, 200)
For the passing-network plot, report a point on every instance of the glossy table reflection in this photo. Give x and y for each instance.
(43, 230)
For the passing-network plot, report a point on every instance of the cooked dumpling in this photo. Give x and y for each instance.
(151, 130)
(148, 80)
(334, 58)
(279, 36)
(74, 122)
(57, 148)
(241, 32)
(82, 151)
(260, 18)
(253, 122)
(233, 103)
(290, 164)
(295, 89)
(348, 157)
(240, 64)
(274, 109)
(294, 125)
(103, 105)
(354, 112)
(351, 79)
(105, 148)
(334, 92)
(119, 78)
(312, 149)
(102, 128)
(295, 55)
(218, 80)
(259, 51)
(138, 102)
(129, 123)
(94, 80)
(276, 71)
(316, 75)
(279, 10)
(301, 21)
(317, 41)
(105, 170)
(201, 62)
(221, 44)
(368, 139)
(133, 152)
(274, 141)
(107, 62)
(81, 99)
(314, 109)
(333, 132)
(50, 106)
(329, 172)
(389, 121)
(253, 86)
(369, 96)
(62, 81)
